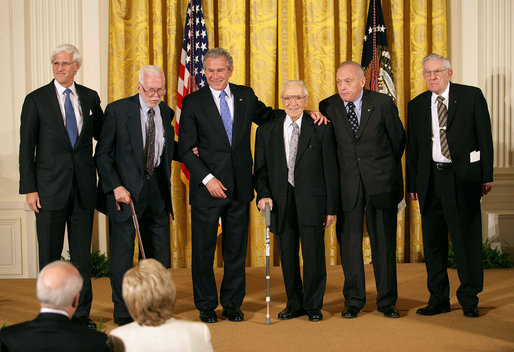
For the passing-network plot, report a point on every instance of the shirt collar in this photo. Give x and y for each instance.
(216, 93)
(289, 121)
(54, 311)
(61, 89)
(445, 95)
(145, 107)
(357, 102)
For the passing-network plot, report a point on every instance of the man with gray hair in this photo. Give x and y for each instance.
(296, 173)
(449, 169)
(57, 171)
(134, 157)
(58, 288)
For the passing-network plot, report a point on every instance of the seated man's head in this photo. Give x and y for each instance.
(149, 293)
(58, 287)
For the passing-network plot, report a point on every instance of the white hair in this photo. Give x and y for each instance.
(302, 83)
(58, 284)
(434, 56)
(69, 49)
(152, 70)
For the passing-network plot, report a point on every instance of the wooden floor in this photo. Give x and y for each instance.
(493, 331)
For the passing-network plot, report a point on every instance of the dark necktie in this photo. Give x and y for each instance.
(293, 148)
(442, 114)
(150, 143)
(71, 121)
(352, 118)
(225, 116)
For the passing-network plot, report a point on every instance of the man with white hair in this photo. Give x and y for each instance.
(134, 157)
(57, 171)
(58, 290)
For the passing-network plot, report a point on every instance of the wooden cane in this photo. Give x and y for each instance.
(136, 226)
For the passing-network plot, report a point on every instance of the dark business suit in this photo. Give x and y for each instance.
(51, 332)
(64, 177)
(450, 199)
(298, 212)
(371, 181)
(120, 160)
(201, 126)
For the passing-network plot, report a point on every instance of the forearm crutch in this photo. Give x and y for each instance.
(138, 234)
(267, 217)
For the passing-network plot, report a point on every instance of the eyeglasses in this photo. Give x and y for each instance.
(153, 91)
(428, 73)
(63, 64)
(289, 98)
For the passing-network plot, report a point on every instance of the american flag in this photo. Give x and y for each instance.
(376, 60)
(191, 74)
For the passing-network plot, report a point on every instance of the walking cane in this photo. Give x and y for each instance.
(136, 226)
(267, 217)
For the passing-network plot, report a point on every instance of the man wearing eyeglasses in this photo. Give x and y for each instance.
(134, 157)
(370, 141)
(449, 168)
(57, 171)
(296, 173)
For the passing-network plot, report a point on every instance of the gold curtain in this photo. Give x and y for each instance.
(273, 41)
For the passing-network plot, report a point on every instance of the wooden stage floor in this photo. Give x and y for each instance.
(493, 331)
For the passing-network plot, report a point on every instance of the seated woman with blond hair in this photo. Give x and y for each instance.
(149, 293)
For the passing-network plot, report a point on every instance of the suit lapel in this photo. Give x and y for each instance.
(453, 98)
(339, 111)
(213, 114)
(277, 143)
(55, 112)
(239, 112)
(305, 136)
(366, 110)
(85, 112)
(134, 129)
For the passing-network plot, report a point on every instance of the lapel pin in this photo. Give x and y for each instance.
(240, 99)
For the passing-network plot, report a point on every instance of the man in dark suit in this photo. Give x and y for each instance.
(134, 157)
(217, 119)
(370, 141)
(58, 289)
(449, 168)
(296, 173)
(57, 171)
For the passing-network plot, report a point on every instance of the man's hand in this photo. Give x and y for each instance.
(328, 220)
(486, 188)
(262, 204)
(33, 201)
(216, 188)
(318, 118)
(413, 196)
(122, 195)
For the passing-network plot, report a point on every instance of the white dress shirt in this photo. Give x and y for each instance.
(74, 98)
(288, 131)
(436, 139)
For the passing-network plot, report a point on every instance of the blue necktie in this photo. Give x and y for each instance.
(225, 116)
(71, 121)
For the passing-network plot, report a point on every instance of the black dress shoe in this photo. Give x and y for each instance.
(85, 321)
(389, 311)
(433, 310)
(287, 313)
(233, 313)
(315, 315)
(470, 311)
(123, 320)
(208, 316)
(350, 312)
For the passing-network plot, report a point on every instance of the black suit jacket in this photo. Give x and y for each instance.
(468, 130)
(316, 171)
(51, 332)
(201, 126)
(48, 163)
(120, 155)
(375, 155)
